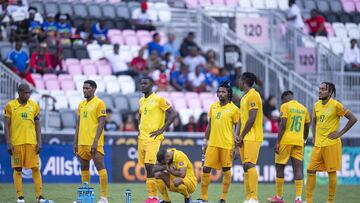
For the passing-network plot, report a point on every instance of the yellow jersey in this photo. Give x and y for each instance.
(297, 115)
(152, 111)
(223, 119)
(22, 118)
(180, 160)
(327, 121)
(252, 100)
(89, 113)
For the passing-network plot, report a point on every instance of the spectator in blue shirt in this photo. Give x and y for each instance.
(223, 76)
(99, 32)
(179, 78)
(18, 60)
(155, 45)
(64, 29)
(50, 25)
(171, 47)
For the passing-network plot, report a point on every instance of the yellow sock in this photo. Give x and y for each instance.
(161, 186)
(298, 187)
(85, 176)
(246, 186)
(151, 187)
(279, 186)
(183, 190)
(226, 184)
(205, 181)
(103, 182)
(37, 181)
(18, 182)
(310, 186)
(253, 182)
(332, 186)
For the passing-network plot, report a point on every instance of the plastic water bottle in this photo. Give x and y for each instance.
(85, 194)
(127, 196)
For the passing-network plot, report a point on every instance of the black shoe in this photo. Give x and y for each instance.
(40, 199)
(187, 200)
(221, 201)
(20, 199)
(163, 201)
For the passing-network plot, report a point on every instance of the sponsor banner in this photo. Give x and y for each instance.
(350, 170)
(57, 164)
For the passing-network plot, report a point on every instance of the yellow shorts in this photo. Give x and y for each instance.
(287, 151)
(217, 158)
(249, 152)
(189, 182)
(147, 151)
(84, 151)
(326, 158)
(25, 156)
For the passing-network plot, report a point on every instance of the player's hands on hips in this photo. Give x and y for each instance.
(334, 135)
(156, 133)
(94, 147)
(276, 148)
(38, 148)
(239, 141)
(235, 153)
(10, 148)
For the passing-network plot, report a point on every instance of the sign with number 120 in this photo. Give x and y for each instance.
(252, 29)
(305, 60)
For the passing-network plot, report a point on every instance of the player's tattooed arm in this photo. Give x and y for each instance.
(351, 121)
(10, 147)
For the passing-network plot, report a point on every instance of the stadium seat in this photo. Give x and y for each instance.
(131, 40)
(94, 10)
(204, 3)
(197, 112)
(283, 4)
(336, 6)
(323, 6)
(52, 84)
(350, 25)
(143, 40)
(244, 3)
(112, 87)
(5, 50)
(128, 32)
(108, 11)
(161, 5)
(356, 17)
(80, 78)
(49, 76)
(85, 62)
(74, 102)
(179, 103)
(75, 69)
(206, 104)
(67, 53)
(66, 8)
(345, 17)
(185, 115)
(310, 4)
(107, 98)
(53, 121)
(192, 3)
(62, 77)
(67, 85)
(117, 39)
(340, 31)
(164, 15)
(348, 6)
(36, 76)
(104, 70)
(121, 102)
(353, 33)
(134, 101)
(258, 4)
(337, 48)
(122, 10)
(68, 119)
(133, 6)
(126, 56)
(127, 84)
(80, 10)
(39, 83)
(51, 7)
(332, 17)
(357, 6)
(218, 2)
(39, 6)
(329, 30)
(81, 53)
(231, 3)
(271, 4)
(194, 103)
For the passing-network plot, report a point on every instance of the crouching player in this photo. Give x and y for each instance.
(175, 172)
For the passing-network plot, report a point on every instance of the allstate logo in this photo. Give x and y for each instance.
(27, 173)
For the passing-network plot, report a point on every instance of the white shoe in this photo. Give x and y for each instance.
(103, 200)
(245, 201)
(20, 200)
(252, 201)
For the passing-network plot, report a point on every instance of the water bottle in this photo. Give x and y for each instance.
(85, 194)
(127, 196)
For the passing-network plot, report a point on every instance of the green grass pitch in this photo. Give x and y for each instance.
(66, 193)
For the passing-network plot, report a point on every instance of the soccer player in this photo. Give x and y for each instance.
(23, 138)
(89, 137)
(327, 152)
(175, 172)
(249, 133)
(219, 140)
(155, 116)
(293, 131)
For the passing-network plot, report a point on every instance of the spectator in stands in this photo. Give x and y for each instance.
(138, 64)
(316, 24)
(40, 60)
(294, 15)
(56, 58)
(223, 76)
(3, 15)
(35, 25)
(194, 59)
(167, 61)
(50, 29)
(64, 29)
(129, 124)
(20, 30)
(272, 125)
(197, 79)
(19, 7)
(211, 64)
(117, 65)
(351, 56)
(83, 33)
(155, 45)
(176, 126)
(153, 62)
(110, 124)
(187, 44)
(141, 16)
(171, 47)
(269, 106)
(161, 78)
(18, 60)
(99, 32)
(179, 78)
(191, 125)
(202, 122)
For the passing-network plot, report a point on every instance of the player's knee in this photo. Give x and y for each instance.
(35, 169)
(206, 169)
(311, 171)
(18, 169)
(177, 182)
(248, 165)
(149, 170)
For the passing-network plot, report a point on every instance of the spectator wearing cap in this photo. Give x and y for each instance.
(141, 16)
(100, 32)
(64, 29)
(194, 59)
(171, 47)
(50, 26)
(35, 25)
(40, 60)
(187, 44)
(18, 60)
(316, 24)
(155, 45)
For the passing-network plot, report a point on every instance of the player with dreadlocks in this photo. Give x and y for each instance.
(219, 140)
(326, 154)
